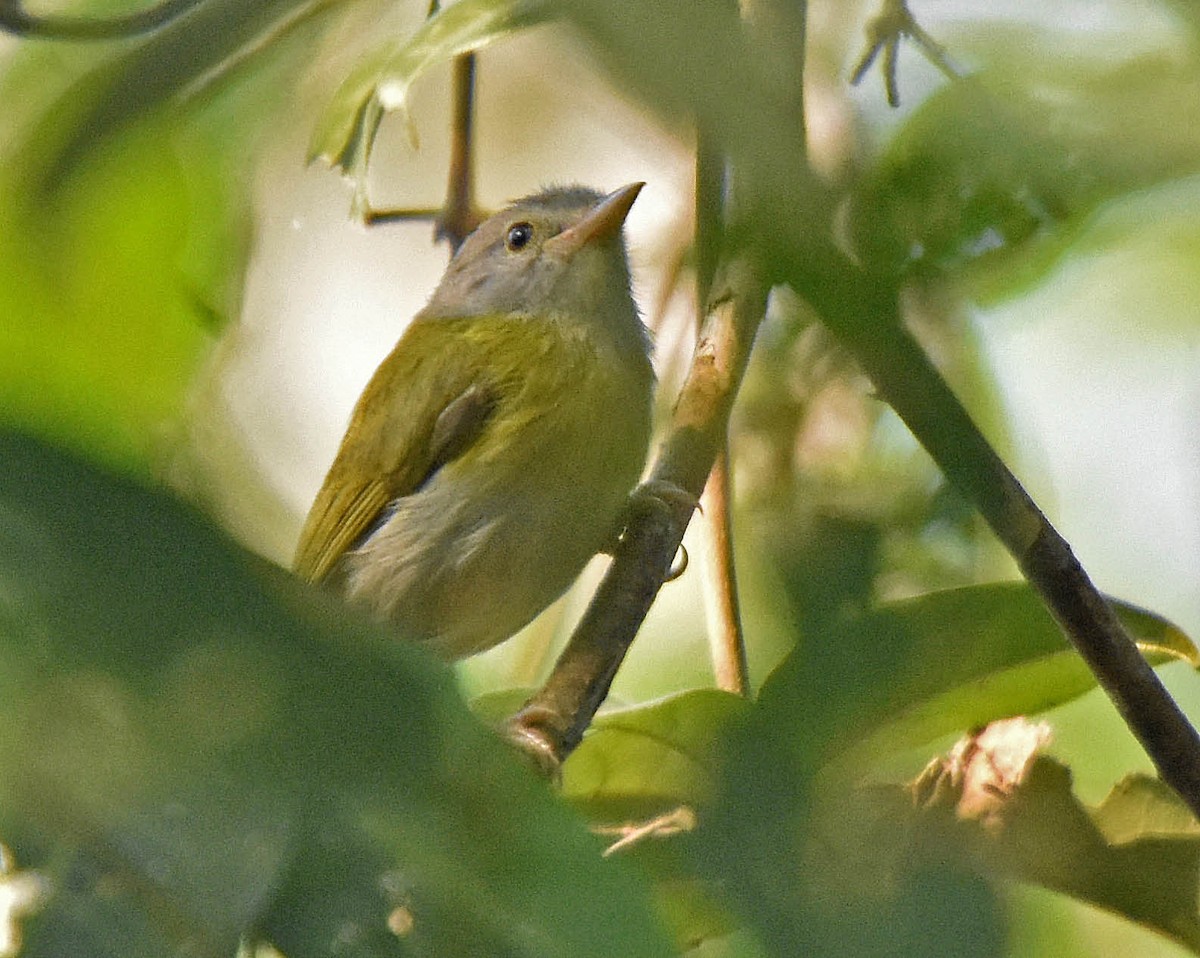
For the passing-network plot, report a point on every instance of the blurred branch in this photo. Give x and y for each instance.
(15, 19)
(893, 23)
(725, 635)
(726, 641)
(459, 215)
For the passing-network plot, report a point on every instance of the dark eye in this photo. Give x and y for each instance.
(519, 235)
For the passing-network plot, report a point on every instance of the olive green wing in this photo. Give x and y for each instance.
(427, 403)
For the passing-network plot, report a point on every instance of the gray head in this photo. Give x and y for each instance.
(557, 254)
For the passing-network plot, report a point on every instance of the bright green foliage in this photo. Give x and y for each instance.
(124, 225)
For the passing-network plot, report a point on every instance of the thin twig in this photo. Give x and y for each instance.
(884, 32)
(727, 643)
(410, 214)
(458, 215)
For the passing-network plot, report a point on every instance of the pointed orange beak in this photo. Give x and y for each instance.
(602, 220)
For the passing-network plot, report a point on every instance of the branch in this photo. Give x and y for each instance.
(726, 641)
(552, 723)
(458, 215)
(787, 220)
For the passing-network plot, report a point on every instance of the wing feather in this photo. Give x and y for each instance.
(427, 403)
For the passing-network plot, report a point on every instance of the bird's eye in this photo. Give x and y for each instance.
(519, 235)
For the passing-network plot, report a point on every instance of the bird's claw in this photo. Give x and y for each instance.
(659, 496)
(656, 494)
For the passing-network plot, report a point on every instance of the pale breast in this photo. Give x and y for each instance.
(498, 534)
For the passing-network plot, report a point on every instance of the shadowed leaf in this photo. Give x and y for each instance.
(198, 749)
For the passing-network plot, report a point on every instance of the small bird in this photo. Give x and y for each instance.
(493, 452)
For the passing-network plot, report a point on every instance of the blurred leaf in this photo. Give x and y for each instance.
(116, 277)
(98, 336)
(197, 747)
(971, 171)
(643, 770)
(141, 76)
(691, 910)
(976, 654)
(382, 78)
(638, 762)
(1031, 827)
(998, 172)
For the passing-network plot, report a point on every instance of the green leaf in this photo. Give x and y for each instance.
(380, 82)
(200, 748)
(646, 769)
(1141, 807)
(139, 78)
(638, 762)
(994, 176)
(981, 653)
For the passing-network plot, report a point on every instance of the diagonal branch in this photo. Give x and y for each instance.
(552, 723)
(863, 313)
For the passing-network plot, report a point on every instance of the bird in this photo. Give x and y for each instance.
(494, 450)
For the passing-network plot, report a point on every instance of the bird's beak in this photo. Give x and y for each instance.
(602, 220)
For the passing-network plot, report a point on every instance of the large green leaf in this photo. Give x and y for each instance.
(987, 652)
(198, 748)
(642, 761)
(124, 227)
(869, 685)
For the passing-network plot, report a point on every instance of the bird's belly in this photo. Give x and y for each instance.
(476, 553)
